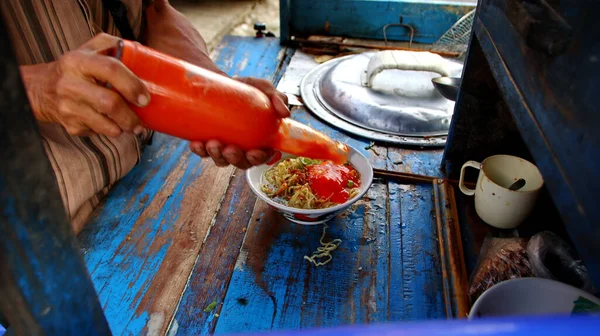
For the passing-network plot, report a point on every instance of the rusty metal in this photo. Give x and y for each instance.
(412, 178)
(454, 272)
(330, 45)
(409, 27)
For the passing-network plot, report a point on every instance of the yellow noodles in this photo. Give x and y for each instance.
(287, 183)
(324, 251)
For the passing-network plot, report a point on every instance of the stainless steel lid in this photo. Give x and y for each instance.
(385, 96)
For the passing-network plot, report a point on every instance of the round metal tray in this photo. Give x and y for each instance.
(390, 112)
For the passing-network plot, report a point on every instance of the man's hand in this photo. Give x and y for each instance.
(224, 155)
(170, 32)
(71, 91)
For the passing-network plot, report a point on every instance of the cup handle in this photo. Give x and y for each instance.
(461, 182)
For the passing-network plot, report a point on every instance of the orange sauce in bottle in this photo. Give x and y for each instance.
(196, 104)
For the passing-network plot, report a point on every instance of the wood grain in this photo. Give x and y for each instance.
(387, 268)
(210, 278)
(143, 241)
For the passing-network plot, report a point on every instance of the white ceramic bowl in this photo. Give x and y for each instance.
(528, 296)
(254, 176)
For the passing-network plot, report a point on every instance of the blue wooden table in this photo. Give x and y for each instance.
(178, 233)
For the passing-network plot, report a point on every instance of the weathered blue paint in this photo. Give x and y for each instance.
(258, 57)
(211, 274)
(130, 236)
(44, 286)
(366, 18)
(121, 270)
(378, 274)
(421, 278)
(386, 269)
(555, 112)
(521, 326)
(272, 287)
(282, 290)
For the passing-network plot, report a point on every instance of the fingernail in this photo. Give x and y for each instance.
(143, 100)
(139, 129)
(229, 156)
(213, 150)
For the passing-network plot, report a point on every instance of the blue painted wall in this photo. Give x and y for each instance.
(366, 18)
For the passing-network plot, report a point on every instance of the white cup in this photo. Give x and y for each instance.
(494, 202)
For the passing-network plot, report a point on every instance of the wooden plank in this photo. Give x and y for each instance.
(421, 273)
(143, 241)
(345, 45)
(415, 161)
(282, 290)
(212, 272)
(452, 257)
(44, 286)
(339, 18)
(141, 257)
(213, 268)
(388, 256)
(385, 269)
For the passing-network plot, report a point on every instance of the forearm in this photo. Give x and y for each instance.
(171, 32)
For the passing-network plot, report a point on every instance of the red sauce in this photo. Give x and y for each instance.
(331, 181)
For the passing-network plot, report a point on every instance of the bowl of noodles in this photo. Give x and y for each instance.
(308, 191)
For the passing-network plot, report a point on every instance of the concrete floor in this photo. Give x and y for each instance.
(215, 19)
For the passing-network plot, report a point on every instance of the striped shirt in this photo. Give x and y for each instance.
(85, 167)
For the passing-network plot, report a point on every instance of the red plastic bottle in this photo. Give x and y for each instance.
(195, 104)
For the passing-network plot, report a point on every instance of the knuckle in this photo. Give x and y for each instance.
(63, 106)
(263, 82)
(102, 35)
(75, 130)
(62, 87)
(129, 123)
(111, 65)
(108, 103)
(68, 60)
(104, 38)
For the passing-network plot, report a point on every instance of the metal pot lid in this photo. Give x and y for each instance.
(385, 96)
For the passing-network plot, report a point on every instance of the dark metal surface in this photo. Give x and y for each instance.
(44, 285)
(540, 26)
(447, 86)
(540, 105)
(402, 107)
